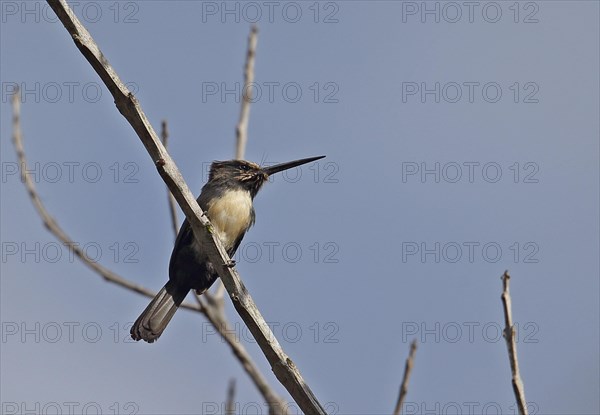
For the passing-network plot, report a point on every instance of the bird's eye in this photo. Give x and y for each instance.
(245, 167)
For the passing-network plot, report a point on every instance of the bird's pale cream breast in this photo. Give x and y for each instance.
(231, 215)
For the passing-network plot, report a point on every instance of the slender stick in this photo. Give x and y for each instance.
(284, 368)
(230, 403)
(241, 130)
(407, 371)
(164, 136)
(53, 226)
(509, 336)
(217, 318)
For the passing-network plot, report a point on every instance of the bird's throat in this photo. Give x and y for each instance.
(231, 215)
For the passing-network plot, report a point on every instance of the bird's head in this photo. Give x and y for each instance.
(247, 175)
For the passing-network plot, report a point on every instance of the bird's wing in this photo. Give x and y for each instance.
(236, 244)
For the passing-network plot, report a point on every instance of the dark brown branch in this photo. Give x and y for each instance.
(407, 371)
(509, 336)
(164, 136)
(285, 370)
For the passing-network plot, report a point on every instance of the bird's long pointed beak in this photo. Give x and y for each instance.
(284, 166)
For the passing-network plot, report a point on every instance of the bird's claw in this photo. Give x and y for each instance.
(230, 264)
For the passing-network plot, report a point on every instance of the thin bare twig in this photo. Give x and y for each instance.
(509, 336)
(284, 368)
(241, 130)
(230, 403)
(218, 320)
(53, 226)
(407, 371)
(214, 305)
(164, 135)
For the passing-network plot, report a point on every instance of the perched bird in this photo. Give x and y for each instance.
(227, 200)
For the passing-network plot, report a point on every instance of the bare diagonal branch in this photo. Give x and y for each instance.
(54, 227)
(407, 371)
(509, 336)
(285, 370)
(216, 318)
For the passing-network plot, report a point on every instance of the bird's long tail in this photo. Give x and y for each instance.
(154, 319)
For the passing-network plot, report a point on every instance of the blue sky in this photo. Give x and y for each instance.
(461, 140)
